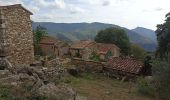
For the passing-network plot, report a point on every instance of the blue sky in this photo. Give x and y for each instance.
(126, 13)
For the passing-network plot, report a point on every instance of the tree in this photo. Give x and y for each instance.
(39, 32)
(163, 37)
(137, 51)
(161, 80)
(116, 36)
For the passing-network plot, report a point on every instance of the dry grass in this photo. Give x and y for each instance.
(96, 87)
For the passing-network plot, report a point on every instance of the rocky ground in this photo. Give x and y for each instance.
(25, 82)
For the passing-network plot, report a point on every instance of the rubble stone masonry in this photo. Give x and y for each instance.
(16, 36)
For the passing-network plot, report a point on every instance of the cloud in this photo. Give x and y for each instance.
(74, 10)
(10, 2)
(158, 9)
(60, 4)
(34, 9)
(153, 9)
(106, 3)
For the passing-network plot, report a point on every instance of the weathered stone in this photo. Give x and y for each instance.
(4, 73)
(79, 97)
(16, 36)
(38, 81)
(59, 92)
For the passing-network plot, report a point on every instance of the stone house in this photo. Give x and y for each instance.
(83, 49)
(16, 36)
(107, 50)
(53, 47)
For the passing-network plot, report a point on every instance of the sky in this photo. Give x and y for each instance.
(125, 13)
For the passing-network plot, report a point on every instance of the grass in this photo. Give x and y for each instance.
(97, 87)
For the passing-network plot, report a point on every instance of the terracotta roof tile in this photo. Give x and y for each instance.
(103, 47)
(51, 40)
(82, 44)
(128, 65)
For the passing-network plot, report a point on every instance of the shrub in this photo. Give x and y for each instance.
(161, 74)
(145, 87)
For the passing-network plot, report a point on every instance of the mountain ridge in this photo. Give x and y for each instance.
(82, 31)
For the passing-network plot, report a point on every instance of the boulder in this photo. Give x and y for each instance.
(53, 92)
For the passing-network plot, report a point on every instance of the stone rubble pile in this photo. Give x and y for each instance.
(39, 80)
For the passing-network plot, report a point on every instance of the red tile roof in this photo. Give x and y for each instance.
(103, 47)
(82, 44)
(128, 65)
(48, 40)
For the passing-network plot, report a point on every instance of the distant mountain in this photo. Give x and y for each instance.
(81, 31)
(146, 33)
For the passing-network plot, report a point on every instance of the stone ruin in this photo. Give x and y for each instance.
(42, 82)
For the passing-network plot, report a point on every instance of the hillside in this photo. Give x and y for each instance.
(82, 31)
(146, 33)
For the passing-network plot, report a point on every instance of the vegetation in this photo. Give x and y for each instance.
(159, 86)
(116, 36)
(18, 92)
(161, 73)
(98, 87)
(39, 32)
(145, 87)
(163, 37)
(137, 52)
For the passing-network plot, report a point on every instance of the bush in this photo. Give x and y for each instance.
(161, 74)
(145, 87)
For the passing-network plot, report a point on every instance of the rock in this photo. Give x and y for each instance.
(79, 97)
(73, 71)
(4, 73)
(14, 83)
(38, 81)
(59, 92)
(3, 63)
(108, 93)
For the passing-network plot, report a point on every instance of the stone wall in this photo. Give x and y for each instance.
(88, 66)
(17, 34)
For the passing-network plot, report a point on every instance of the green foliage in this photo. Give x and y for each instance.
(39, 32)
(6, 94)
(116, 36)
(161, 74)
(145, 87)
(95, 57)
(163, 35)
(137, 51)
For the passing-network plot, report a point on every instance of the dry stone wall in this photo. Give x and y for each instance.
(17, 35)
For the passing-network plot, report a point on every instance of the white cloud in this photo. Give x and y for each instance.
(74, 10)
(127, 13)
(49, 4)
(106, 3)
(34, 9)
(10, 2)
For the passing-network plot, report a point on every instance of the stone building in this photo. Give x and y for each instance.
(83, 49)
(106, 51)
(53, 46)
(16, 36)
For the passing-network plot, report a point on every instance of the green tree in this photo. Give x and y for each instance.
(163, 37)
(161, 76)
(116, 36)
(39, 32)
(137, 51)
